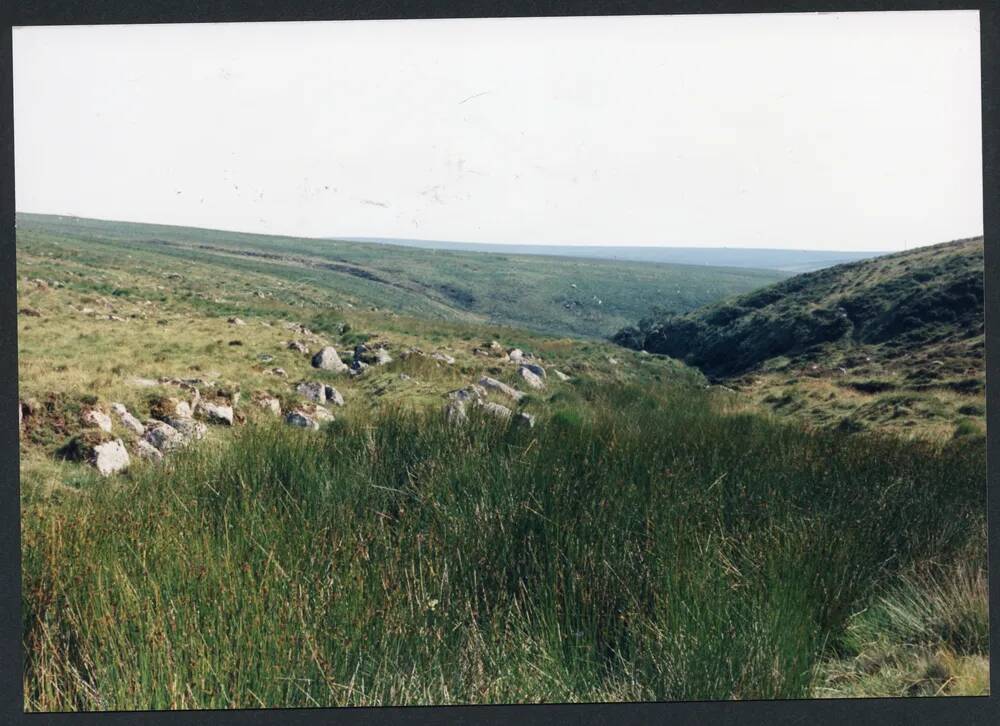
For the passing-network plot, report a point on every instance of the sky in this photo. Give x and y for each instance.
(847, 131)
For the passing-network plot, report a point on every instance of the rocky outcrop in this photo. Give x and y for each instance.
(327, 359)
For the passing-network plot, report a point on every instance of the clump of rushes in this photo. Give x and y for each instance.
(646, 548)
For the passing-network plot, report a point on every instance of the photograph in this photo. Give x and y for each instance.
(496, 361)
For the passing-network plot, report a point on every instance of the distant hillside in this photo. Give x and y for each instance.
(553, 295)
(898, 334)
(790, 261)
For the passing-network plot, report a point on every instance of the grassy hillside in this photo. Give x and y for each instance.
(648, 537)
(895, 342)
(754, 258)
(554, 295)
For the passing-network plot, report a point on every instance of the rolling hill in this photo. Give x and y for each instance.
(782, 260)
(555, 295)
(896, 340)
(336, 535)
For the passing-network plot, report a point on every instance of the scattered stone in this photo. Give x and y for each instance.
(270, 403)
(560, 375)
(494, 385)
(215, 413)
(235, 342)
(146, 450)
(474, 392)
(166, 408)
(530, 378)
(299, 347)
(328, 360)
(188, 428)
(443, 358)
(534, 368)
(162, 436)
(382, 357)
(515, 354)
(612, 360)
(265, 358)
(404, 377)
(333, 396)
(128, 420)
(454, 412)
(110, 457)
(312, 391)
(235, 321)
(300, 329)
(29, 312)
(495, 409)
(280, 372)
(94, 417)
(300, 419)
(321, 414)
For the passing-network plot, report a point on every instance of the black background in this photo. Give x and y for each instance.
(846, 712)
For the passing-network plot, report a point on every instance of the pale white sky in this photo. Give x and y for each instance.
(838, 131)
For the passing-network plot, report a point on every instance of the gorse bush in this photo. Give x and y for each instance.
(639, 546)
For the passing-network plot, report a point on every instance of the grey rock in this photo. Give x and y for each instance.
(328, 360)
(495, 385)
(454, 412)
(333, 396)
(162, 436)
(99, 419)
(469, 393)
(301, 419)
(188, 428)
(312, 391)
(147, 451)
(270, 403)
(535, 368)
(495, 409)
(110, 457)
(128, 420)
(530, 378)
(215, 413)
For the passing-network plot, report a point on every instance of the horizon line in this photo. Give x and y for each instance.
(376, 239)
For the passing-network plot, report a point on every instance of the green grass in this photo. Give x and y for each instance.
(649, 545)
(554, 295)
(648, 539)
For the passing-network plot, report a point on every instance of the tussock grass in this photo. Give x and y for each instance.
(636, 544)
